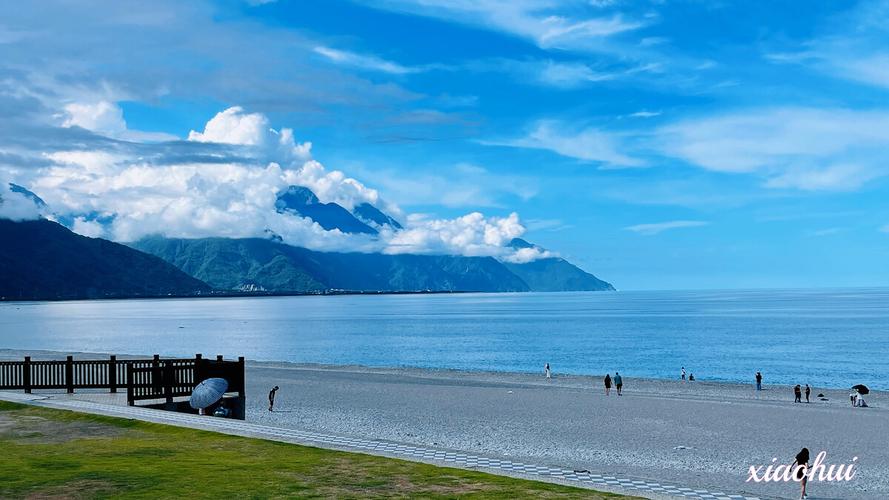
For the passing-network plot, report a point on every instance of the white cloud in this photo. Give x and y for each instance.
(473, 234)
(645, 114)
(657, 228)
(525, 255)
(840, 177)
(16, 206)
(125, 196)
(588, 145)
(801, 148)
(235, 126)
(91, 228)
(853, 48)
(548, 24)
(549, 225)
(332, 186)
(569, 75)
(106, 118)
(368, 62)
(103, 116)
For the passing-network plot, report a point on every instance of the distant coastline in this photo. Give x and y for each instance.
(236, 294)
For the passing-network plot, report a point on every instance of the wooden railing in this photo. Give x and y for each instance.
(29, 375)
(170, 378)
(143, 378)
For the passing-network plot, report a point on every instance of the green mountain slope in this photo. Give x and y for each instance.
(254, 263)
(41, 259)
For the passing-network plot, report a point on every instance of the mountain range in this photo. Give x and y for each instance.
(44, 260)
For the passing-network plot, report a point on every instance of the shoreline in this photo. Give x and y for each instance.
(227, 294)
(594, 381)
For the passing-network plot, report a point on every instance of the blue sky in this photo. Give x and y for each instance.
(657, 144)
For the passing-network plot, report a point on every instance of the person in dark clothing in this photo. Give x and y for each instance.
(272, 398)
(801, 468)
(607, 384)
(808, 392)
(758, 381)
(797, 394)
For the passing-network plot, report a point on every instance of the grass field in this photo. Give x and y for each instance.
(60, 454)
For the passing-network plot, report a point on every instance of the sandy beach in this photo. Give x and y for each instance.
(698, 434)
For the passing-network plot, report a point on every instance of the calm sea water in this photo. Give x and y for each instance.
(821, 337)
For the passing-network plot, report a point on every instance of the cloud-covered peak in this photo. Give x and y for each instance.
(128, 190)
(18, 203)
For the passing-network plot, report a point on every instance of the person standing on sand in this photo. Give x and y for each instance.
(758, 381)
(618, 383)
(801, 468)
(272, 398)
(808, 391)
(797, 394)
(546, 371)
(607, 384)
(682, 376)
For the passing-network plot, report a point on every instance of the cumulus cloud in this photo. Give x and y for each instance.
(236, 126)
(659, 227)
(473, 234)
(126, 193)
(530, 254)
(106, 118)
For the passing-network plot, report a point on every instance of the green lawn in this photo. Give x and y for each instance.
(60, 454)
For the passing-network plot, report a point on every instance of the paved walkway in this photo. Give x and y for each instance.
(649, 489)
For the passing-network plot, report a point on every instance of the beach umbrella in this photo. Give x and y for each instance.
(207, 392)
(861, 388)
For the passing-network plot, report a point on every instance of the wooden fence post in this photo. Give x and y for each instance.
(69, 374)
(112, 373)
(155, 374)
(131, 391)
(198, 368)
(168, 380)
(26, 374)
(241, 376)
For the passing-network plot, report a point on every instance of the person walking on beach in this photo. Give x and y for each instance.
(546, 371)
(758, 381)
(797, 394)
(607, 384)
(618, 383)
(801, 468)
(272, 398)
(808, 392)
(682, 376)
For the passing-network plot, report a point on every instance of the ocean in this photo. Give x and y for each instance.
(826, 338)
